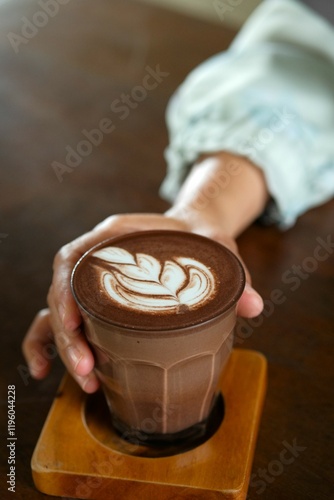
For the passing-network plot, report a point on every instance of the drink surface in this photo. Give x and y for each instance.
(157, 280)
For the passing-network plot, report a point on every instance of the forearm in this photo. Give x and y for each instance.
(223, 190)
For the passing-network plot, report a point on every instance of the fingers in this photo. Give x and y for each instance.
(78, 359)
(39, 350)
(64, 317)
(60, 325)
(38, 337)
(74, 351)
(61, 299)
(250, 303)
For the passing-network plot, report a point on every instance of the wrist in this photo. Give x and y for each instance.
(223, 190)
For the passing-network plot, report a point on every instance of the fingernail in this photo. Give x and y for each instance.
(36, 371)
(74, 355)
(33, 369)
(37, 364)
(90, 385)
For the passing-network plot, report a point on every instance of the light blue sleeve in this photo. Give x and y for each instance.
(269, 97)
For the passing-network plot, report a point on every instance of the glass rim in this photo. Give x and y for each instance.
(128, 327)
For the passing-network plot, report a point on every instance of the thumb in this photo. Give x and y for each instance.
(250, 303)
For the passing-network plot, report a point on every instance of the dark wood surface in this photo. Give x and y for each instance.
(62, 80)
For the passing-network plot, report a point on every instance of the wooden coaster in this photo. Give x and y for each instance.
(79, 455)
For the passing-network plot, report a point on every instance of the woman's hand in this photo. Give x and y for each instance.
(221, 218)
(60, 323)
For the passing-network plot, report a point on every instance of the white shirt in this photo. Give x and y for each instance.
(269, 97)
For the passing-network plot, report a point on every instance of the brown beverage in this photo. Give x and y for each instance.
(159, 312)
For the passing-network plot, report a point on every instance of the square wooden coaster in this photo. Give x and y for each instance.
(79, 455)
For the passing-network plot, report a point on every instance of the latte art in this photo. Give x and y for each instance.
(141, 282)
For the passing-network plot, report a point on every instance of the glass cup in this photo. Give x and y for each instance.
(160, 372)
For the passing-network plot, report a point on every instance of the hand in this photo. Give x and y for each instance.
(61, 322)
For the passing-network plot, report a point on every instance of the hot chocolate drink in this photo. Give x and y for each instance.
(159, 311)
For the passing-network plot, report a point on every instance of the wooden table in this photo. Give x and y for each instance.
(61, 78)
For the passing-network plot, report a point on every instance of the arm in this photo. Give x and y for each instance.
(216, 201)
(217, 194)
(269, 98)
(259, 102)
